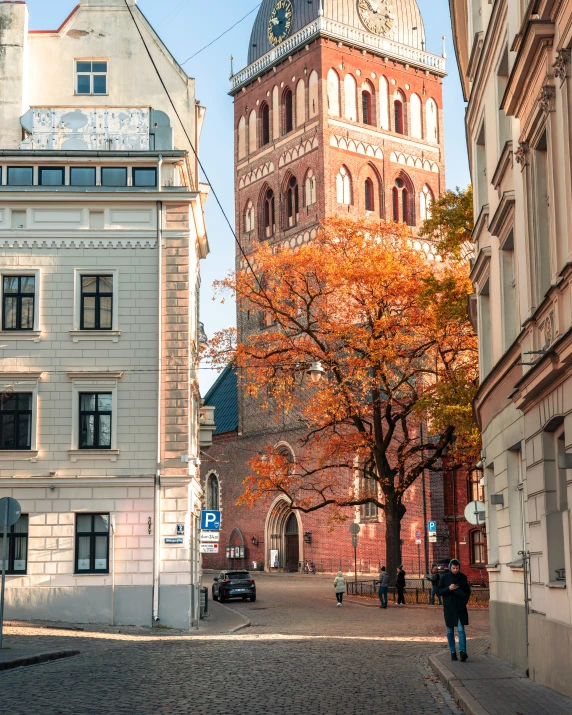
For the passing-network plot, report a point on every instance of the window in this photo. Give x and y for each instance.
(292, 208)
(241, 138)
(269, 214)
(92, 543)
(508, 291)
(343, 187)
(476, 489)
(350, 98)
(313, 94)
(398, 116)
(96, 303)
(145, 177)
(425, 201)
(288, 112)
(82, 176)
(16, 420)
(395, 202)
(20, 175)
(480, 169)
(114, 176)
(212, 492)
(366, 108)
(249, 218)
(368, 488)
(368, 194)
(333, 93)
(541, 217)
(95, 420)
(252, 132)
(485, 329)
(310, 188)
(405, 206)
(91, 77)
(415, 109)
(402, 209)
(300, 103)
(265, 114)
(477, 541)
(17, 549)
(18, 296)
(431, 122)
(383, 103)
(51, 176)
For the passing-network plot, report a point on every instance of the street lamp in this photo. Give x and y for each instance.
(316, 372)
(254, 541)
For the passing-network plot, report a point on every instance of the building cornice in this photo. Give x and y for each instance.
(504, 210)
(481, 265)
(504, 163)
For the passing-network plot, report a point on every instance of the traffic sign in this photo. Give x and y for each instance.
(208, 548)
(432, 538)
(9, 511)
(354, 540)
(417, 534)
(431, 526)
(354, 528)
(210, 520)
(210, 536)
(475, 513)
(418, 541)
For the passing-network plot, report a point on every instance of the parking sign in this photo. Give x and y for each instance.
(431, 526)
(210, 520)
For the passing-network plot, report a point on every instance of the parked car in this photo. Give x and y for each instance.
(234, 584)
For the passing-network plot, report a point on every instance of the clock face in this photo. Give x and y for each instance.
(280, 21)
(377, 15)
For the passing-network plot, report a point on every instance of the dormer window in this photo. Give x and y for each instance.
(91, 77)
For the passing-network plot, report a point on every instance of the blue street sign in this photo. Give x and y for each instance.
(431, 526)
(210, 520)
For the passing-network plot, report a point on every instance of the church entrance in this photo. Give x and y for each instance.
(292, 543)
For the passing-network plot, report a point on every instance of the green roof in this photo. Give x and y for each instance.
(223, 396)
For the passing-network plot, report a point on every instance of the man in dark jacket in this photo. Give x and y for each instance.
(434, 579)
(455, 591)
(400, 583)
(383, 587)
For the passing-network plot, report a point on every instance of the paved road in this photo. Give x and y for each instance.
(301, 656)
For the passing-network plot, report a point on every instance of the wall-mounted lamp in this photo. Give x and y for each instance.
(254, 541)
(307, 537)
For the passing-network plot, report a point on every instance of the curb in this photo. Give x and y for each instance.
(37, 658)
(247, 622)
(462, 696)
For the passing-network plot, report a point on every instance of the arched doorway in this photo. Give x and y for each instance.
(292, 541)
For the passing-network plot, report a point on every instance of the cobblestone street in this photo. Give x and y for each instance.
(301, 654)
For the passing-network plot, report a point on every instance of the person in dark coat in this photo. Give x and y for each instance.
(455, 591)
(400, 583)
(434, 579)
(383, 587)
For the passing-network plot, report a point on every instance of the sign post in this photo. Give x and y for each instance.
(9, 514)
(354, 531)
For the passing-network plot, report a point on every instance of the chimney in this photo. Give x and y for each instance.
(13, 50)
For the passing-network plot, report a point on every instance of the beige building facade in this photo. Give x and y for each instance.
(101, 235)
(514, 62)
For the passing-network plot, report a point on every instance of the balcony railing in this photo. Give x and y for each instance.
(342, 33)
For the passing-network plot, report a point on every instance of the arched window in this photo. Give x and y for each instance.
(265, 116)
(300, 103)
(395, 200)
(249, 217)
(350, 101)
(478, 554)
(275, 113)
(366, 108)
(343, 187)
(405, 206)
(242, 138)
(415, 109)
(431, 121)
(292, 209)
(310, 188)
(369, 196)
(313, 94)
(402, 209)
(212, 492)
(288, 112)
(333, 93)
(398, 114)
(252, 132)
(383, 103)
(268, 209)
(425, 201)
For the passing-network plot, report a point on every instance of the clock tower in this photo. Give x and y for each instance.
(339, 111)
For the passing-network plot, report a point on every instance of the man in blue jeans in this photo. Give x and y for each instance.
(434, 579)
(455, 590)
(383, 587)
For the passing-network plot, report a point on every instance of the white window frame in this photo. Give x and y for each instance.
(76, 333)
(23, 382)
(91, 76)
(94, 382)
(36, 332)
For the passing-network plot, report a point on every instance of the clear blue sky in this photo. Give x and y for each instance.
(187, 25)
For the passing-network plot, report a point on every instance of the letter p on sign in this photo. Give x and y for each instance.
(210, 520)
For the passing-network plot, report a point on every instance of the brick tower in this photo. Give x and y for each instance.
(339, 111)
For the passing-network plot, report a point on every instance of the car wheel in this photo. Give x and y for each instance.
(215, 597)
(252, 599)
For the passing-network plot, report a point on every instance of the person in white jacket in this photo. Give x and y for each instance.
(340, 587)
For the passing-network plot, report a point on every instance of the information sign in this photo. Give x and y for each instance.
(209, 536)
(208, 548)
(432, 538)
(417, 541)
(210, 520)
(173, 539)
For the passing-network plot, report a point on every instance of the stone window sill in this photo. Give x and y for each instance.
(12, 335)
(556, 584)
(112, 335)
(110, 454)
(19, 455)
(492, 567)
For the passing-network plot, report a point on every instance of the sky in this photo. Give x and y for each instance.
(186, 26)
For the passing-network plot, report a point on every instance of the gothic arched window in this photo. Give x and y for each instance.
(425, 201)
(212, 492)
(249, 217)
(402, 194)
(333, 93)
(292, 206)
(310, 189)
(288, 112)
(268, 209)
(343, 187)
(265, 116)
(398, 115)
(369, 196)
(366, 108)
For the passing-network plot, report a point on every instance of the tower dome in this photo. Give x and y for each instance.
(395, 20)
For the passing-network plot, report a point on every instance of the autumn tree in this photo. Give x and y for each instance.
(387, 323)
(450, 224)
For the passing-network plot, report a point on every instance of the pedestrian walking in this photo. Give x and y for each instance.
(455, 590)
(383, 587)
(400, 583)
(340, 587)
(434, 579)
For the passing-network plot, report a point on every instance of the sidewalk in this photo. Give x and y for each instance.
(486, 685)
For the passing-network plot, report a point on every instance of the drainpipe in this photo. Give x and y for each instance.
(157, 494)
(112, 526)
(453, 480)
(159, 180)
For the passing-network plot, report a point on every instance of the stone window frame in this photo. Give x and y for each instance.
(36, 331)
(76, 333)
(23, 382)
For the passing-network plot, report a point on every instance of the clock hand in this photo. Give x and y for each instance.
(275, 21)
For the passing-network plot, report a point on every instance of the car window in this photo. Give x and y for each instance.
(239, 575)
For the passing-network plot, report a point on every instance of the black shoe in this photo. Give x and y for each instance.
(464, 656)
(454, 656)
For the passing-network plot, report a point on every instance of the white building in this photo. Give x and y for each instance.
(514, 60)
(101, 234)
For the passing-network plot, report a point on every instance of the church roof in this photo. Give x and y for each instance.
(407, 27)
(223, 396)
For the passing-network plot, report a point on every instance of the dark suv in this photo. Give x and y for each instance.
(234, 584)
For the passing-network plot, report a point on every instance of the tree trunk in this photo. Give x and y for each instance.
(393, 514)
